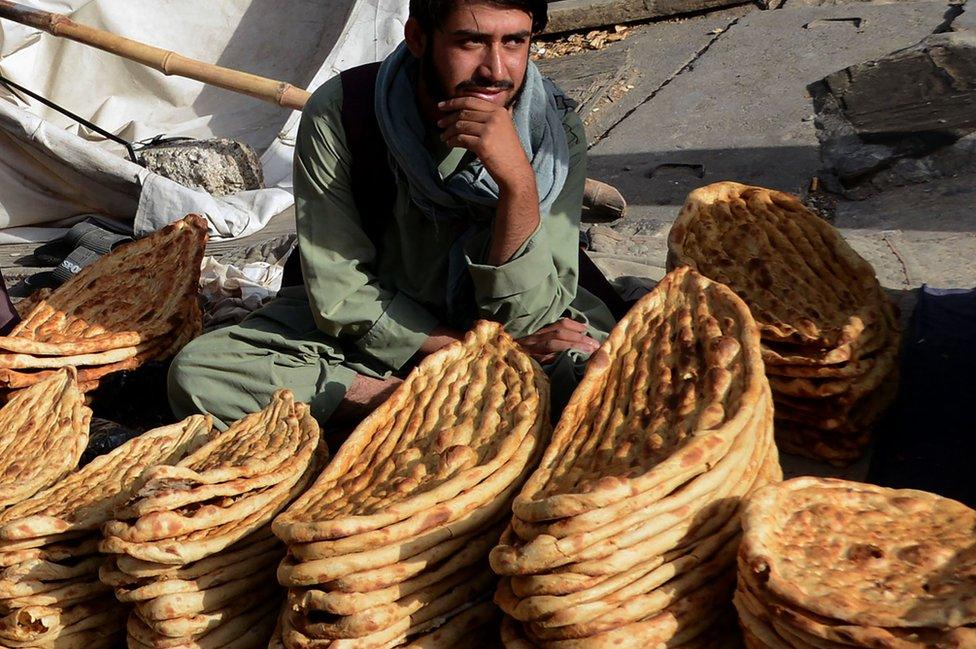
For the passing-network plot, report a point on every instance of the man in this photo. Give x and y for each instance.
(488, 161)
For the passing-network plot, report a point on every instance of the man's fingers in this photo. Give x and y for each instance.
(464, 141)
(465, 127)
(554, 342)
(466, 115)
(472, 103)
(555, 345)
(569, 323)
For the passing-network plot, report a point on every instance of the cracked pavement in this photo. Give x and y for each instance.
(722, 96)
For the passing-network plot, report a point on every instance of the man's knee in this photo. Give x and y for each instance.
(196, 384)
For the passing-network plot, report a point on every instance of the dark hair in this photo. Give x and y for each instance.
(431, 13)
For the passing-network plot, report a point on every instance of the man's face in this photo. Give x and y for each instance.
(481, 50)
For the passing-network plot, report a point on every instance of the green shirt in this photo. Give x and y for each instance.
(386, 305)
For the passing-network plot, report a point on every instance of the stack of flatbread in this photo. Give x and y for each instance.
(192, 549)
(828, 563)
(43, 432)
(390, 545)
(625, 536)
(830, 338)
(50, 593)
(136, 304)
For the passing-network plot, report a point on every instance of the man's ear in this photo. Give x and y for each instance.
(415, 37)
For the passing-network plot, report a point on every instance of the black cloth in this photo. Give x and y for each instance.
(928, 440)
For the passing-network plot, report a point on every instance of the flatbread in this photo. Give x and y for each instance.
(40, 570)
(381, 617)
(456, 419)
(48, 420)
(810, 629)
(683, 620)
(127, 297)
(197, 545)
(642, 598)
(153, 588)
(62, 593)
(54, 550)
(469, 628)
(343, 603)
(181, 605)
(246, 631)
(677, 378)
(877, 557)
(803, 283)
(427, 617)
(679, 510)
(123, 570)
(85, 499)
(36, 625)
(26, 361)
(300, 568)
(207, 621)
(189, 326)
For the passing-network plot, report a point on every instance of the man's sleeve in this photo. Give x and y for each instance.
(535, 286)
(337, 256)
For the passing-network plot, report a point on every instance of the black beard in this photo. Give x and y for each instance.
(438, 92)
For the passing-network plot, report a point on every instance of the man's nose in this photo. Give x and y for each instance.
(491, 65)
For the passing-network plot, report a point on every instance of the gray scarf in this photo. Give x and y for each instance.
(470, 194)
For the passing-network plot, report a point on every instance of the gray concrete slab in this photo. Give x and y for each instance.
(917, 234)
(646, 60)
(741, 110)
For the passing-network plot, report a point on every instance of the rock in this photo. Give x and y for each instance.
(905, 118)
(965, 21)
(929, 87)
(219, 166)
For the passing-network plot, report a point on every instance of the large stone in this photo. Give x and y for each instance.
(219, 167)
(929, 87)
(902, 119)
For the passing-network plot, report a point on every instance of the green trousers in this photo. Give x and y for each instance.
(233, 371)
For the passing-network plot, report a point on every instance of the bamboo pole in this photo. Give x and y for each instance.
(604, 202)
(166, 61)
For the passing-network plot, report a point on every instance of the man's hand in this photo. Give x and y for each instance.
(547, 343)
(487, 130)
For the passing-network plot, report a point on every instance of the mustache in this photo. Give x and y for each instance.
(482, 84)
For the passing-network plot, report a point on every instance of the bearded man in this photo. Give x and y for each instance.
(437, 188)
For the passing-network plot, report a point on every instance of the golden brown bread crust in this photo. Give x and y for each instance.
(861, 556)
(416, 451)
(645, 559)
(678, 376)
(174, 503)
(48, 420)
(803, 282)
(85, 499)
(115, 314)
(389, 545)
(120, 300)
(829, 335)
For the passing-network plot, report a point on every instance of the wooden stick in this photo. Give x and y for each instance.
(166, 61)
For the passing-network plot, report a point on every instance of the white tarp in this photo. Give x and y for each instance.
(52, 169)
